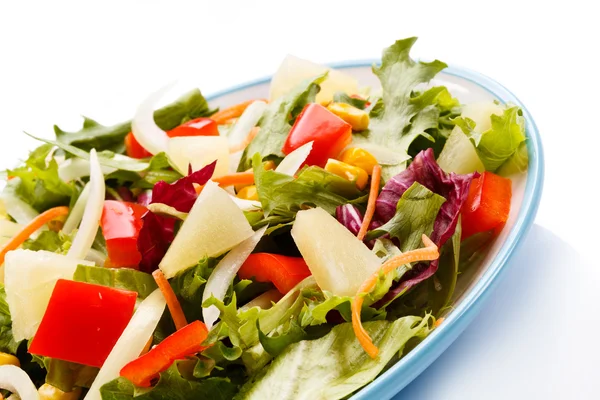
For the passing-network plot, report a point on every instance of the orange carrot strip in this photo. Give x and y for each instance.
(375, 181)
(246, 142)
(427, 253)
(171, 298)
(222, 116)
(246, 178)
(30, 228)
(439, 322)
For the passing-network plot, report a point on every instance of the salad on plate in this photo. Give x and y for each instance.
(284, 248)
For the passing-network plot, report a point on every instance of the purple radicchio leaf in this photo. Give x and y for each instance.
(158, 231)
(453, 187)
(351, 217)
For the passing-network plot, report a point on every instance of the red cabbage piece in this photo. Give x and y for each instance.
(158, 231)
(351, 217)
(453, 187)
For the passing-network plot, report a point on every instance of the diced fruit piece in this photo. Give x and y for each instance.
(83, 322)
(185, 342)
(214, 225)
(349, 172)
(339, 261)
(294, 70)
(29, 279)
(328, 132)
(248, 193)
(359, 119)
(459, 154)
(196, 127)
(199, 151)
(359, 158)
(487, 206)
(133, 148)
(121, 224)
(284, 272)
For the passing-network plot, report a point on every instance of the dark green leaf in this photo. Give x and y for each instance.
(120, 278)
(441, 286)
(341, 97)
(7, 340)
(275, 343)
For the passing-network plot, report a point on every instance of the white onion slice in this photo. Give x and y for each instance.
(223, 274)
(264, 301)
(97, 257)
(145, 130)
(93, 211)
(246, 205)
(16, 381)
(383, 155)
(132, 341)
(77, 211)
(8, 229)
(246, 122)
(292, 162)
(76, 168)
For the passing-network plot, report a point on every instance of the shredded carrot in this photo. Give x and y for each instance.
(171, 298)
(246, 178)
(29, 229)
(375, 181)
(223, 116)
(439, 322)
(427, 253)
(245, 142)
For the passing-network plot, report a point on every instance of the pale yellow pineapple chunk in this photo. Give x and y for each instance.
(199, 151)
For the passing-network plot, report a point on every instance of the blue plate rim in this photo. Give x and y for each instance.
(412, 364)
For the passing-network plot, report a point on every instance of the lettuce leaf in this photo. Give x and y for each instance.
(7, 340)
(56, 242)
(501, 141)
(94, 135)
(275, 122)
(285, 195)
(66, 375)
(401, 117)
(120, 278)
(171, 385)
(335, 365)
(39, 184)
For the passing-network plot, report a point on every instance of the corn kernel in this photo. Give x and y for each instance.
(359, 158)
(359, 119)
(49, 392)
(9, 359)
(349, 172)
(248, 193)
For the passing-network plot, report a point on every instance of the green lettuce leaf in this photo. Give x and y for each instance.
(120, 278)
(275, 122)
(66, 375)
(94, 135)
(275, 343)
(39, 184)
(443, 283)
(341, 97)
(172, 386)
(517, 163)
(335, 365)
(56, 242)
(415, 215)
(285, 195)
(7, 340)
(501, 141)
(401, 117)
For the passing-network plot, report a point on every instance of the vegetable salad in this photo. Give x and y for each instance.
(282, 248)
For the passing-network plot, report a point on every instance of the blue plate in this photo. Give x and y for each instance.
(473, 291)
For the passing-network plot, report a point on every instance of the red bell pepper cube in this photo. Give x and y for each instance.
(121, 224)
(83, 322)
(184, 342)
(196, 127)
(283, 271)
(329, 133)
(487, 206)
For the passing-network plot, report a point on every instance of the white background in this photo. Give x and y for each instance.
(536, 337)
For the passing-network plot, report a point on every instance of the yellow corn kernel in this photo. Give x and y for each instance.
(359, 119)
(347, 171)
(359, 158)
(9, 359)
(248, 193)
(49, 392)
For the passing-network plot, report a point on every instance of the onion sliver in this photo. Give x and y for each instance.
(247, 121)
(76, 168)
(145, 130)
(20, 211)
(77, 211)
(132, 341)
(93, 211)
(16, 381)
(223, 274)
(246, 205)
(293, 161)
